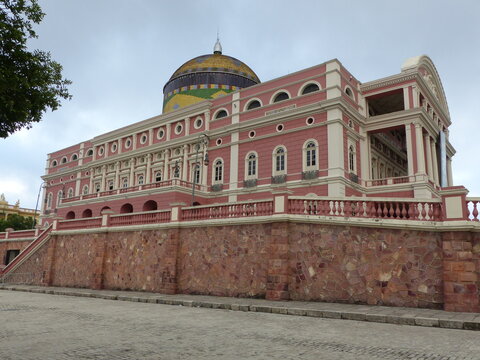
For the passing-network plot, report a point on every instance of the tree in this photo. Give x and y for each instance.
(30, 81)
(16, 222)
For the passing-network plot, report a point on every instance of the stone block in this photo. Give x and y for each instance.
(424, 321)
(297, 311)
(376, 318)
(332, 314)
(350, 315)
(279, 310)
(450, 323)
(259, 308)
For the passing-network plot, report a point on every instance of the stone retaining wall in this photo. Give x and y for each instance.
(277, 260)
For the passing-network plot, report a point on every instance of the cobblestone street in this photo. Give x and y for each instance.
(40, 326)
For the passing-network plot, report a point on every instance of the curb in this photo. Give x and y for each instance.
(448, 320)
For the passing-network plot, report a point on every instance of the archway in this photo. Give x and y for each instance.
(87, 213)
(70, 215)
(126, 208)
(150, 205)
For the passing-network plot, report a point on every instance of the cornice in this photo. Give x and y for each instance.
(387, 81)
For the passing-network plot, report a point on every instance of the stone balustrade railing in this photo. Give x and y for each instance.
(146, 217)
(236, 210)
(85, 223)
(473, 208)
(389, 209)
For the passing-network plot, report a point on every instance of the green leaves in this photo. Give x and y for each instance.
(30, 81)
(15, 222)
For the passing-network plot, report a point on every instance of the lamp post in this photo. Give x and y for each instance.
(201, 140)
(36, 205)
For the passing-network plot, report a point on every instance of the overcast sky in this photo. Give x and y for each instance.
(120, 53)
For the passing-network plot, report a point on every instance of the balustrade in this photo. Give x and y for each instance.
(473, 206)
(151, 217)
(86, 223)
(396, 210)
(260, 208)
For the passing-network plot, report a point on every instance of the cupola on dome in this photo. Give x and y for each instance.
(206, 77)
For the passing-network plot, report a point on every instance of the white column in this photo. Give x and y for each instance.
(336, 152)
(433, 150)
(185, 163)
(148, 175)
(420, 149)
(90, 185)
(187, 126)
(449, 172)
(365, 155)
(428, 150)
(77, 183)
(406, 99)
(117, 175)
(165, 165)
(131, 182)
(333, 80)
(408, 138)
(104, 171)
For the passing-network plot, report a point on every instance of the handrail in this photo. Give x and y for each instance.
(28, 250)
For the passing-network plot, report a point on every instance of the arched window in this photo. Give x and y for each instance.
(49, 200)
(279, 159)
(87, 213)
(59, 197)
(349, 92)
(70, 215)
(97, 187)
(126, 208)
(150, 205)
(310, 88)
(221, 114)
(158, 176)
(140, 180)
(74, 157)
(218, 171)
(90, 152)
(351, 158)
(110, 184)
(196, 173)
(310, 156)
(281, 96)
(253, 104)
(64, 160)
(105, 208)
(124, 182)
(85, 190)
(70, 193)
(54, 163)
(251, 165)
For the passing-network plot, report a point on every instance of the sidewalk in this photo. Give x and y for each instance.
(381, 314)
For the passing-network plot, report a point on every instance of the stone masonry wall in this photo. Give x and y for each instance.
(224, 260)
(365, 265)
(277, 260)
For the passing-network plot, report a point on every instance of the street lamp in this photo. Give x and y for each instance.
(201, 140)
(42, 185)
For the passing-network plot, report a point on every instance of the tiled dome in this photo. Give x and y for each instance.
(206, 77)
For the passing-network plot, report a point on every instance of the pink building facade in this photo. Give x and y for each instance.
(318, 132)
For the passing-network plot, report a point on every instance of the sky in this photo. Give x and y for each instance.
(120, 53)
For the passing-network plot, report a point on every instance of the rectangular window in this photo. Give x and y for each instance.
(252, 163)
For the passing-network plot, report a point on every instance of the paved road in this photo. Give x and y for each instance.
(39, 326)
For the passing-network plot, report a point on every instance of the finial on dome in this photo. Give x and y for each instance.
(217, 49)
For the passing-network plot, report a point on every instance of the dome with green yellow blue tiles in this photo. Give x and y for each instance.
(206, 77)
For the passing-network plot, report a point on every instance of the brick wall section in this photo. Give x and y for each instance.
(224, 260)
(278, 264)
(32, 270)
(461, 264)
(6, 245)
(365, 265)
(277, 260)
(141, 260)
